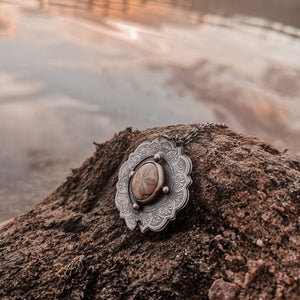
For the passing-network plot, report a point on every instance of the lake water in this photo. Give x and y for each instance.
(74, 72)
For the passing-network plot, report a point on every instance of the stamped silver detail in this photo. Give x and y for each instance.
(172, 196)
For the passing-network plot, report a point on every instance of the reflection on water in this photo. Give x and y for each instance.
(76, 71)
(271, 15)
(6, 25)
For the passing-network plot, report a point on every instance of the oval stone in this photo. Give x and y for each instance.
(145, 181)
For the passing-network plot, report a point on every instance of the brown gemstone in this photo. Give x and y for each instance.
(147, 182)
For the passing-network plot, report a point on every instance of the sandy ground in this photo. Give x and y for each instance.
(241, 223)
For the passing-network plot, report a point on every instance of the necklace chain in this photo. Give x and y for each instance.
(193, 133)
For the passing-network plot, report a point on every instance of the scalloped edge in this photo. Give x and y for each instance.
(129, 164)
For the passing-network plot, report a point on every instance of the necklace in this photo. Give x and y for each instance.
(154, 182)
(193, 133)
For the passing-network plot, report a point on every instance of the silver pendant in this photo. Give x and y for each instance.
(153, 185)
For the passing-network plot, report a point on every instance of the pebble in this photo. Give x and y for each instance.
(233, 236)
(218, 238)
(222, 290)
(264, 217)
(259, 243)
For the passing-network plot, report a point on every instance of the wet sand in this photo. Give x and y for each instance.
(73, 74)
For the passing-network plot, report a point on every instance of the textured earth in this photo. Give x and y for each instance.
(241, 225)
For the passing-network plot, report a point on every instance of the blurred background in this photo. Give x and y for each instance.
(74, 72)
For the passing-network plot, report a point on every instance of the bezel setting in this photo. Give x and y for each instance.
(155, 215)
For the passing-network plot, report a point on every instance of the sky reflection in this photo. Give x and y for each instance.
(76, 71)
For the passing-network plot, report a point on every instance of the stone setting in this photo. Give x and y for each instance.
(147, 182)
(157, 189)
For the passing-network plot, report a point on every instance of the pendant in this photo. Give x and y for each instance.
(153, 185)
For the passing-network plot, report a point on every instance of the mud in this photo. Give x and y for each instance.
(241, 224)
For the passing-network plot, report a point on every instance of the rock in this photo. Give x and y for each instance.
(222, 290)
(259, 243)
(74, 245)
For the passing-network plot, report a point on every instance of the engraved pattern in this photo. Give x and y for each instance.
(164, 211)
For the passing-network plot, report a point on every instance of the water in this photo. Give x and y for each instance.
(73, 72)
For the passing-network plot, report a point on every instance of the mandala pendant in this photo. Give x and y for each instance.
(153, 185)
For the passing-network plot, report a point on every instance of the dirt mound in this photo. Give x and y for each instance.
(241, 224)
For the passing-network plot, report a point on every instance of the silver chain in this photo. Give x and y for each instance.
(193, 133)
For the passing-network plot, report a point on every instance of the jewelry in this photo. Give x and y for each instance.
(193, 133)
(154, 182)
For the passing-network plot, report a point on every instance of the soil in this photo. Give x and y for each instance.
(241, 225)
